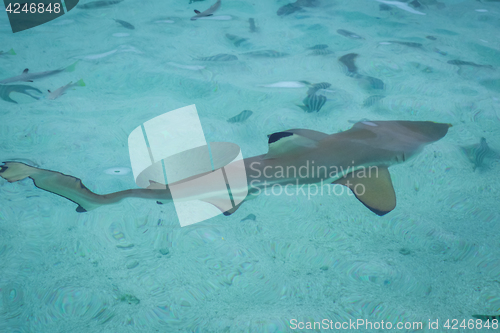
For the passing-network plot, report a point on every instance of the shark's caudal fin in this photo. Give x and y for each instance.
(374, 189)
(66, 186)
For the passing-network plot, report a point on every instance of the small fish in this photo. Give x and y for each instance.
(478, 152)
(29, 77)
(288, 9)
(266, 54)
(373, 82)
(209, 12)
(401, 5)
(11, 52)
(348, 61)
(98, 4)
(409, 44)
(466, 63)
(241, 117)
(318, 47)
(121, 48)
(431, 37)
(236, 40)
(316, 86)
(349, 34)
(125, 24)
(191, 1)
(251, 22)
(6, 90)
(219, 57)
(321, 52)
(250, 217)
(313, 103)
(372, 100)
(60, 91)
(285, 84)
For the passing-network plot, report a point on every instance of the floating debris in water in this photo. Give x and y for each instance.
(250, 217)
(98, 4)
(219, 57)
(251, 22)
(241, 117)
(125, 24)
(372, 100)
(236, 40)
(349, 34)
(266, 54)
(478, 153)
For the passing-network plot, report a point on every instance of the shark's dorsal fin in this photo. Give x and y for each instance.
(197, 11)
(373, 189)
(288, 142)
(25, 71)
(313, 135)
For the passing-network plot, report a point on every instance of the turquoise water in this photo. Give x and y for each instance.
(130, 267)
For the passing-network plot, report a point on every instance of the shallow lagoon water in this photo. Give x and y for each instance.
(130, 267)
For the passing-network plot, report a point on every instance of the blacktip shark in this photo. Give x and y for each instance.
(26, 76)
(209, 12)
(341, 158)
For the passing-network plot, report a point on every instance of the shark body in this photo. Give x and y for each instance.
(357, 158)
(26, 76)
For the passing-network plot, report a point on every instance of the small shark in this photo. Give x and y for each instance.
(29, 77)
(209, 12)
(341, 158)
(60, 91)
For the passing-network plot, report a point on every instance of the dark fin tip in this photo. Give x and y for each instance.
(80, 209)
(277, 136)
(197, 11)
(159, 203)
(226, 213)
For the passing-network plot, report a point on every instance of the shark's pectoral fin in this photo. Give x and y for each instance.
(223, 204)
(374, 190)
(288, 142)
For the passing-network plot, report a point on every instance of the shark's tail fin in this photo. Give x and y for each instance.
(80, 83)
(71, 67)
(66, 186)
